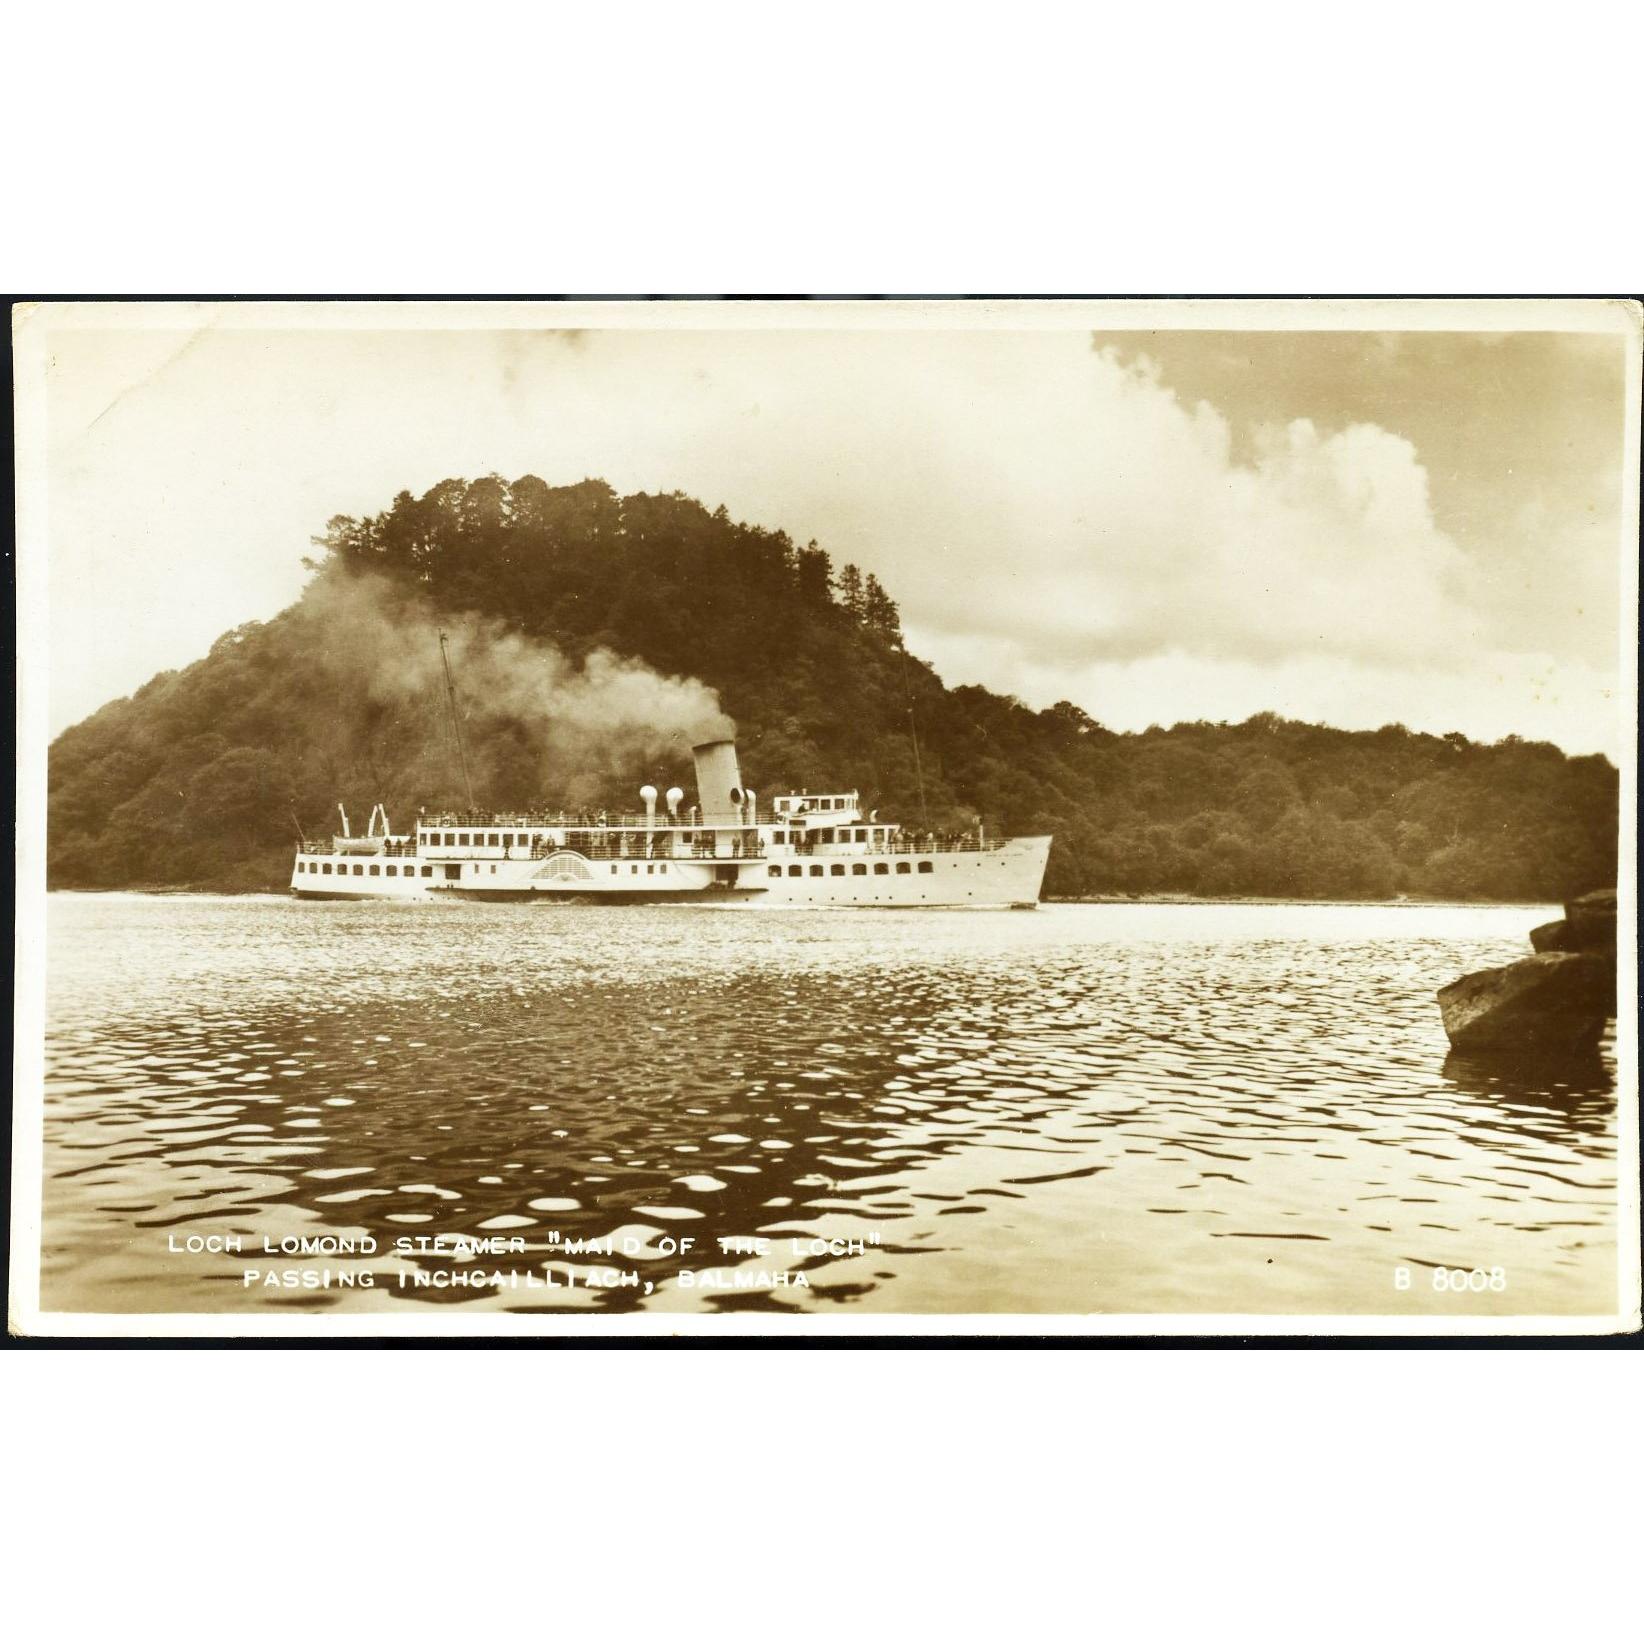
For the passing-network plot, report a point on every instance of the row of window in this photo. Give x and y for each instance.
(795, 871)
(472, 839)
(507, 841)
(829, 836)
(373, 869)
(817, 802)
(837, 869)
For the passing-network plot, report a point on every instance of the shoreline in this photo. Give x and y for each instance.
(1105, 899)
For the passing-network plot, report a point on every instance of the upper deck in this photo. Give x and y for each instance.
(514, 837)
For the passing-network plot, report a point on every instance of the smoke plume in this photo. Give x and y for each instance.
(536, 724)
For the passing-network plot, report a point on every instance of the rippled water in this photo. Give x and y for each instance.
(1086, 1109)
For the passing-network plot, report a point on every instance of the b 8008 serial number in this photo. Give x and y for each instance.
(1457, 1279)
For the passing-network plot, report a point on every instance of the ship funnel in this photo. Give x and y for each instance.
(675, 795)
(718, 783)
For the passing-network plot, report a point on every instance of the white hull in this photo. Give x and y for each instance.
(1005, 875)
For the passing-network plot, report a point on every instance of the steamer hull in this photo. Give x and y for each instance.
(807, 851)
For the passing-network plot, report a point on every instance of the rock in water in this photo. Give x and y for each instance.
(1551, 1001)
(1588, 926)
(1590, 922)
(1553, 937)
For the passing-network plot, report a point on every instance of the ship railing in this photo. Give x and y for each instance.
(611, 850)
(337, 843)
(663, 820)
(904, 844)
(699, 850)
(561, 819)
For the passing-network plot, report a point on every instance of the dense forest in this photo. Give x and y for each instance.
(591, 636)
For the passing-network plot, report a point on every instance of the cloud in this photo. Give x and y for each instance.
(1151, 540)
(1052, 518)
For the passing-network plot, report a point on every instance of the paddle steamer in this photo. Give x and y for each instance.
(803, 849)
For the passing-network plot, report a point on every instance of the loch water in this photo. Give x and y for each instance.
(1093, 1109)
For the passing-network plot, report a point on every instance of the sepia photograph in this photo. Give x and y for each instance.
(842, 817)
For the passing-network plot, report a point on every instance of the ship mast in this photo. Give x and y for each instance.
(913, 737)
(456, 722)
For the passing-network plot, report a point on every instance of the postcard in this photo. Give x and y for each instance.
(826, 818)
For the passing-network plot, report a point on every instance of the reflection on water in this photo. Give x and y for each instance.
(1084, 1109)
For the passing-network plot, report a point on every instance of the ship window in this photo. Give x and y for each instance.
(393, 872)
(428, 873)
(816, 870)
(325, 867)
(614, 867)
(796, 872)
(634, 868)
(837, 870)
(859, 867)
(492, 839)
(827, 836)
(773, 872)
(881, 867)
(924, 867)
(358, 869)
(375, 870)
(902, 867)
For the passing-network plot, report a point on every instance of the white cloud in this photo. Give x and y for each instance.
(1052, 519)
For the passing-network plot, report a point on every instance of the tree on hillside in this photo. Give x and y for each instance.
(193, 779)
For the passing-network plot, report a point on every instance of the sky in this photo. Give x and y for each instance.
(1354, 527)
